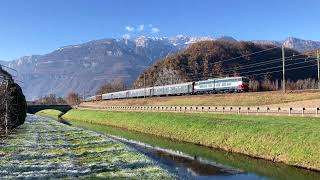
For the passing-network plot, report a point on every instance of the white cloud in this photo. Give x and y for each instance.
(129, 28)
(155, 30)
(126, 36)
(140, 28)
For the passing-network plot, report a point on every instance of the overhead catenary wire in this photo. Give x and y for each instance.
(241, 72)
(268, 62)
(197, 78)
(229, 72)
(245, 55)
(290, 69)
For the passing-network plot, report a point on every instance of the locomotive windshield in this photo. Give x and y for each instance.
(245, 80)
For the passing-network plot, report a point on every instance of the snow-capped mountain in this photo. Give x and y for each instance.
(297, 44)
(85, 67)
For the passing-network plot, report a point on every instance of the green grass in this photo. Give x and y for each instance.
(292, 140)
(50, 113)
(260, 167)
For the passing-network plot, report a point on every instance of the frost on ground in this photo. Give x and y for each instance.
(44, 148)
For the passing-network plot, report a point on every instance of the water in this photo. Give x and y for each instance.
(189, 161)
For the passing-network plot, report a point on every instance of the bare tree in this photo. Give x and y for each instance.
(112, 87)
(73, 98)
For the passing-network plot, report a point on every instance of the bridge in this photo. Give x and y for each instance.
(32, 109)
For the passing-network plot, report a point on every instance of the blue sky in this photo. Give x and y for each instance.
(40, 26)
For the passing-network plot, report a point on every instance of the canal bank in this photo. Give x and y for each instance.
(200, 156)
(294, 141)
(43, 148)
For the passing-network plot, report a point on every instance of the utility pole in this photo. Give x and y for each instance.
(6, 100)
(144, 84)
(283, 70)
(318, 62)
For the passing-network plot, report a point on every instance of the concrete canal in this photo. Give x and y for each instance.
(189, 161)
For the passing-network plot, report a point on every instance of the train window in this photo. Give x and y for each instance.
(210, 85)
(228, 83)
(218, 85)
(223, 84)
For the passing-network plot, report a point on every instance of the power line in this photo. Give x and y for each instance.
(286, 69)
(276, 67)
(231, 70)
(247, 55)
(246, 73)
(268, 62)
(261, 64)
(228, 72)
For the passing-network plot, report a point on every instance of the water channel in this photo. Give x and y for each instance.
(190, 161)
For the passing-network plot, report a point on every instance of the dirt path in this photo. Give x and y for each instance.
(44, 148)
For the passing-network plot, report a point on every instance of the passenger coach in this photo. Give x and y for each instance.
(228, 84)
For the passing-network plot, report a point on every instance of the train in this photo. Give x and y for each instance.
(216, 85)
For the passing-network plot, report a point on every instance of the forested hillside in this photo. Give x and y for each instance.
(209, 59)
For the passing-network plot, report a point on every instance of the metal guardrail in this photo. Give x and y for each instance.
(292, 111)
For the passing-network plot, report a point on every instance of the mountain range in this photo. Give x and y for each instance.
(83, 68)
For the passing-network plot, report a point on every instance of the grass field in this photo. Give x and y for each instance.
(292, 140)
(229, 99)
(50, 113)
(251, 165)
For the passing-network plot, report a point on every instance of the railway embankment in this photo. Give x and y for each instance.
(278, 98)
(292, 140)
(45, 149)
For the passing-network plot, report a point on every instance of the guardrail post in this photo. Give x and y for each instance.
(258, 108)
(317, 111)
(202, 108)
(303, 109)
(290, 109)
(279, 110)
(223, 110)
(239, 109)
(215, 109)
(231, 109)
(248, 109)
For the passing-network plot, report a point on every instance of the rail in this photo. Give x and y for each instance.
(291, 111)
